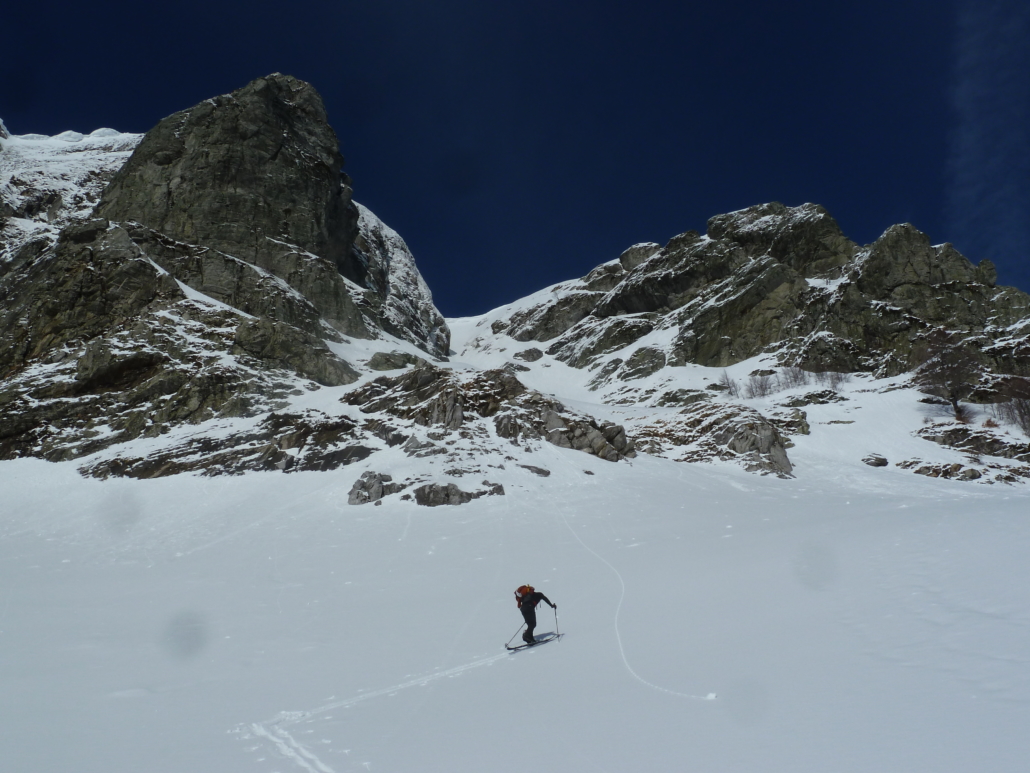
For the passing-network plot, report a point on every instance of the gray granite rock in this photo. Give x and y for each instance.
(371, 487)
(288, 347)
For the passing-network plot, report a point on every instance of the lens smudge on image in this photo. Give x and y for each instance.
(119, 512)
(815, 566)
(186, 635)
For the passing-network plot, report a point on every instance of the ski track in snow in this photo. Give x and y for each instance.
(618, 609)
(274, 730)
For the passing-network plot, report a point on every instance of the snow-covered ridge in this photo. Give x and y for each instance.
(48, 182)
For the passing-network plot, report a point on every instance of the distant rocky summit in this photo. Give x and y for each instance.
(209, 298)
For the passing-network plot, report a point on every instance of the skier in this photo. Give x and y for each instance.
(527, 598)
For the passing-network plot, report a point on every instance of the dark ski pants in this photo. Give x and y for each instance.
(529, 615)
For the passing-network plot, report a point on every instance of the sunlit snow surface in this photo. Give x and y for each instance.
(259, 623)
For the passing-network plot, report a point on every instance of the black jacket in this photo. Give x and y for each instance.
(532, 599)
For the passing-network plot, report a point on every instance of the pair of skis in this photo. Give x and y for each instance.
(542, 640)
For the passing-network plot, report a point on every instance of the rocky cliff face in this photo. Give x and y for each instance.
(398, 291)
(253, 173)
(777, 280)
(780, 292)
(226, 308)
(223, 259)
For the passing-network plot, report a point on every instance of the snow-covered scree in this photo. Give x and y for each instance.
(859, 621)
(827, 424)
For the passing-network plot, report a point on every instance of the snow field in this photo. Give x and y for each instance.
(261, 624)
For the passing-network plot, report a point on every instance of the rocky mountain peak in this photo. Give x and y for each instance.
(223, 269)
(806, 237)
(251, 173)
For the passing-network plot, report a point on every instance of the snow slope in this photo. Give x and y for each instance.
(258, 623)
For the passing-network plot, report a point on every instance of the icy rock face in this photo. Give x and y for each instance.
(100, 346)
(403, 302)
(784, 280)
(224, 263)
(256, 175)
(241, 173)
(254, 178)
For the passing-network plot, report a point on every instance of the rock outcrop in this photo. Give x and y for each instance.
(255, 174)
(436, 494)
(706, 431)
(780, 280)
(431, 396)
(372, 487)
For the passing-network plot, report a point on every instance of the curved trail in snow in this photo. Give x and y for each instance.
(618, 609)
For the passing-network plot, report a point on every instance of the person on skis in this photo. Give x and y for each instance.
(527, 597)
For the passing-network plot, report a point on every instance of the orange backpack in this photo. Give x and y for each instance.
(521, 592)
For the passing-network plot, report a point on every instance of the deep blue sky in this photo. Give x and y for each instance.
(514, 145)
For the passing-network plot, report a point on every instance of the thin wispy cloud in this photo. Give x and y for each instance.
(989, 164)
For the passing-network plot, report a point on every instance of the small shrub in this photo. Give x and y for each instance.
(991, 424)
(951, 368)
(731, 385)
(794, 376)
(963, 414)
(1016, 411)
(831, 379)
(759, 386)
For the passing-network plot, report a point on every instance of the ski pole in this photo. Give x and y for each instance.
(556, 633)
(515, 634)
